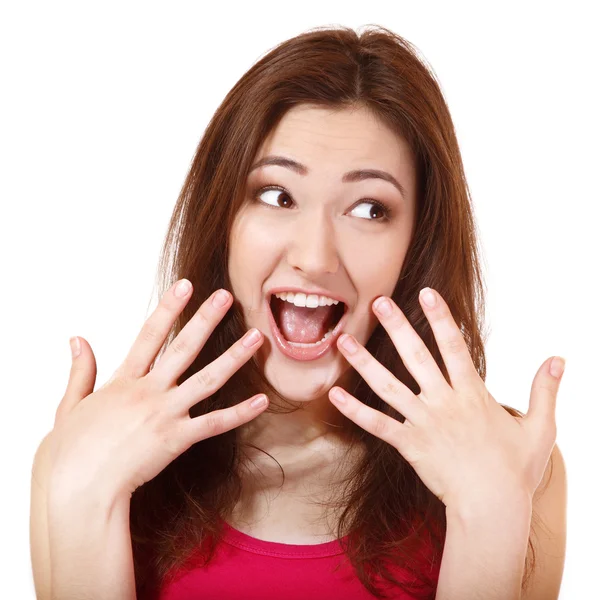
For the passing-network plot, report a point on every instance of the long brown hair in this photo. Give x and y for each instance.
(387, 509)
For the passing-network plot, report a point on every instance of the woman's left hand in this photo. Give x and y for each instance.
(463, 444)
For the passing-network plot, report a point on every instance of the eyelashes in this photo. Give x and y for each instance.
(257, 191)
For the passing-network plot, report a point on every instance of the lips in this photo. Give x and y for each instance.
(304, 353)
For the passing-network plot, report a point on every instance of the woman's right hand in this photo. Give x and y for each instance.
(112, 441)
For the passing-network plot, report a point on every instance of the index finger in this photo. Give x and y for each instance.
(155, 330)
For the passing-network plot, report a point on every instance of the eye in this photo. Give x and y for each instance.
(279, 195)
(377, 206)
(276, 194)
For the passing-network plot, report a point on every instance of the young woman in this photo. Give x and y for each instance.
(326, 211)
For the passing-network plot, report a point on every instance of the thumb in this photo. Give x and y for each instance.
(82, 377)
(544, 390)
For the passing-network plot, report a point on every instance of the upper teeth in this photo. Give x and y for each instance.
(300, 299)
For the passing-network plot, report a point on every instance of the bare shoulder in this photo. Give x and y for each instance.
(548, 531)
(554, 479)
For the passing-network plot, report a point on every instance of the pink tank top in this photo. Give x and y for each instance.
(247, 568)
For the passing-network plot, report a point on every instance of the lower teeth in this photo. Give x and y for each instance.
(301, 345)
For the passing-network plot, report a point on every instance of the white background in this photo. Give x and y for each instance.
(103, 104)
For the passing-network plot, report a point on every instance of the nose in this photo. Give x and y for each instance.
(312, 246)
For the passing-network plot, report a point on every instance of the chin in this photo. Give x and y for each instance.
(309, 386)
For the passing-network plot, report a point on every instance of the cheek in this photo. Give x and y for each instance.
(252, 248)
(251, 254)
(375, 267)
(374, 273)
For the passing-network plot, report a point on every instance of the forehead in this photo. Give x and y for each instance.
(322, 138)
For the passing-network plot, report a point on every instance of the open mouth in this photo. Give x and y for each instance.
(305, 326)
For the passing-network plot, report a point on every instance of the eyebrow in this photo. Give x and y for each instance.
(349, 177)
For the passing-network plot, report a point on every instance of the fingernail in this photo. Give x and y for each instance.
(383, 307)
(220, 299)
(348, 343)
(251, 338)
(428, 297)
(258, 402)
(557, 366)
(182, 288)
(338, 396)
(75, 347)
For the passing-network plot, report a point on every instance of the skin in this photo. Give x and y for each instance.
(321, 232)
(461, 442)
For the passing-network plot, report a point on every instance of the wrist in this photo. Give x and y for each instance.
(81, 501)
(516, 506)
(485, 548)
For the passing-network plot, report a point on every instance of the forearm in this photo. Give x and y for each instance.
(90, 549)
(485, 551)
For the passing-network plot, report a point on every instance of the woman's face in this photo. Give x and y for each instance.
(321, 232)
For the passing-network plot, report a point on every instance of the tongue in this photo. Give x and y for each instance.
(302, 324)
